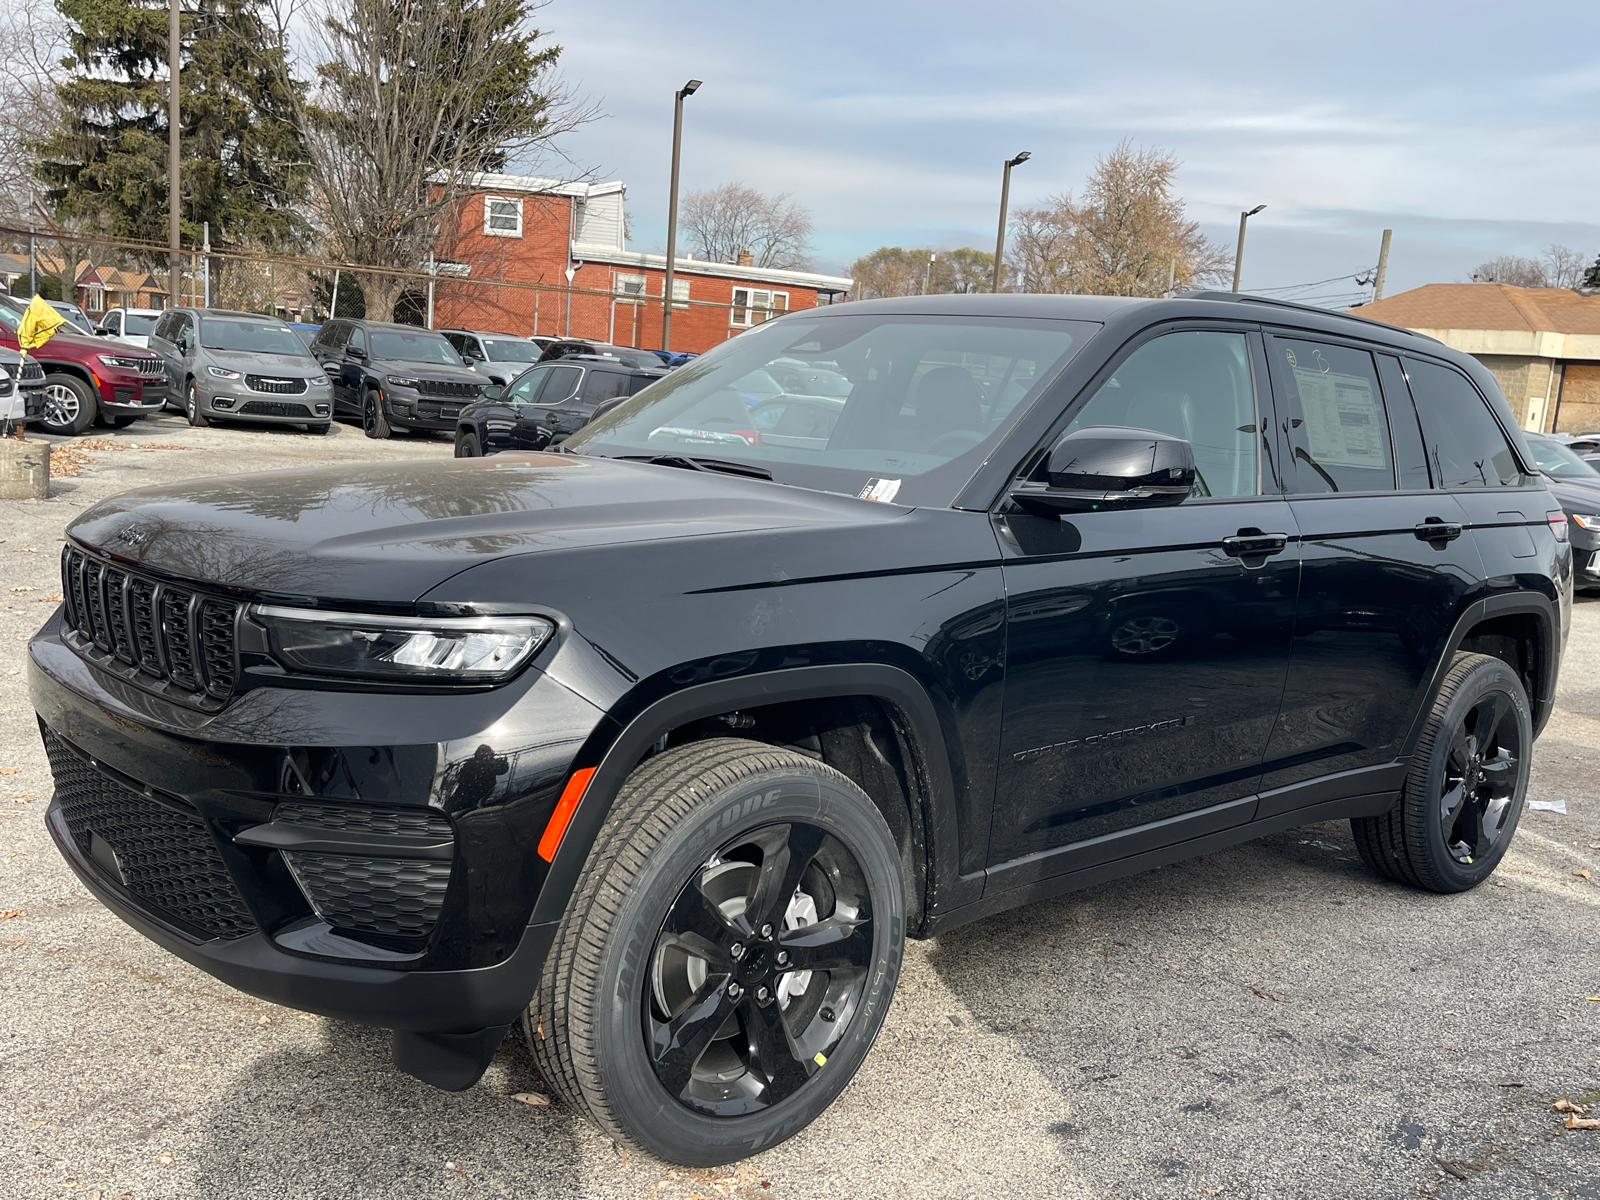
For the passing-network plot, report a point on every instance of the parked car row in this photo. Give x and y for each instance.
(86, 379)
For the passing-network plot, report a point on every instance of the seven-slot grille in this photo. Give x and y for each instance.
(158, 845)
(32, 370)
(281, 387)
(273, 408)
(163, 636)
(438, 387)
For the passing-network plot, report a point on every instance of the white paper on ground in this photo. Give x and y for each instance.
(1555, 806)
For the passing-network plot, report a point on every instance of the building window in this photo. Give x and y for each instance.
(502, 216)
(630, 288)
(751, 307)
(680, 292)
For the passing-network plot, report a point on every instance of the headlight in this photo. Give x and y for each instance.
(121, 361)
(223, 373)
(1589, 521)
(402, 381)
(415, 649)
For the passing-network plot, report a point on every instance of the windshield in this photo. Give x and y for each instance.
(924, 399)
(137, 324)
(1556, 461)
(512, 351)
(261, 337)
(418, 347)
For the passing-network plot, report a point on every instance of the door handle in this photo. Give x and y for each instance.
(1252, 543)
(1437, 531)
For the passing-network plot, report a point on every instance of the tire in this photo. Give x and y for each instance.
(373, 422)
(69, 405)
(191, 406)
(704, 815)
(1464, 795)
(320, 430)
(467, 444)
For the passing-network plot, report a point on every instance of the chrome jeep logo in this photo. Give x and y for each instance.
(134, 535)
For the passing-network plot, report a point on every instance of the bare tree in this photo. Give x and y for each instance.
(734, 219)
(32, 41)
(1512, 269)
(413, 98)
(1564, 267)
(1127, 235)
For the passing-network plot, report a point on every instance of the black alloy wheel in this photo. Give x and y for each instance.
(757, 970)
(1464, 794)
(728, 956)
(467, 444)
(373, 422)
(1145, 635)
(69, 405)
(191, 406)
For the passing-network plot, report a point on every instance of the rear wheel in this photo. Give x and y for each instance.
(69, 405)
(728, 956)
(373, 421)
(467, 444)
(1468, 779)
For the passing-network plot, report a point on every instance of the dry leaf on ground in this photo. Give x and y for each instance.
(15, 912)
(165, 1158)
(1567, 1106)
(1269, 994)
(1577, 1122)
(1582, 875)
(533, 1098)
(9, 770)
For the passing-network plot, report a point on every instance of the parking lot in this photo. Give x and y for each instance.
(1273, 1021)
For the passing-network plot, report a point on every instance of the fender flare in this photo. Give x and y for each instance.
(892, 684)
(1476, 613)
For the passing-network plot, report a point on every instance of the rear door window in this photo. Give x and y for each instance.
(601, 386)
(1466, 445)
(561, 384)
(1332, 411)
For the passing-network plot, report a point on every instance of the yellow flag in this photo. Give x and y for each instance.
(39, 323)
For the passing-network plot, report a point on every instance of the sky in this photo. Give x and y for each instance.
(1470, 129)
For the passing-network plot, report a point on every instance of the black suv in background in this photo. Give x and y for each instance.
(547, 404)
(395, 376)
(626, 355)
(1575, 484)
(660, 746)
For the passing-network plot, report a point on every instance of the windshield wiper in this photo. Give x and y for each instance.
(683, 461)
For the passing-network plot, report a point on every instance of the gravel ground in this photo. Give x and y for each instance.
(1268, 1022)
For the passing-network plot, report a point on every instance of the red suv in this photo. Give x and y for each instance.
(89, 377)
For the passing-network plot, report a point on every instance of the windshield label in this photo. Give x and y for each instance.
(881, 490)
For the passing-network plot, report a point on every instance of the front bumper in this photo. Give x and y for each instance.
(23, 405)
(231, 400)
(125, 394)
(417, 411)
(154, 803)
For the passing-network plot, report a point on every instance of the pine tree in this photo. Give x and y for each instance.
(242, 159)
(1591, 277)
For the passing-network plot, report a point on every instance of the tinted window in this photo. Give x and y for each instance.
(181, 324)
(562, 383)
(1558, 462)
(603, 385)
(1465, 442)
(423, 346)
(460, 341)
(163, 326)
(137, 324)
(1410, 459)
(1192, 385)
(357, 340)
(526, 386)
(511, 350)
(1334, 418)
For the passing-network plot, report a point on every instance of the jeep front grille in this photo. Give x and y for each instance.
(172, 640)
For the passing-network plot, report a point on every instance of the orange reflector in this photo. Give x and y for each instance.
(562, 817)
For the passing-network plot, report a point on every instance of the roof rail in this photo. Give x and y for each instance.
(1247, 298)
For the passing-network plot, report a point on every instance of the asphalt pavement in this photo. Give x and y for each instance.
(1273, 1021)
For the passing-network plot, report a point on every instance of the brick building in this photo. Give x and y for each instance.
(1543, 344)
(528, 231)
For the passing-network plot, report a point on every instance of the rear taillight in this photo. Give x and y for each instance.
(1558, 524)
(750, 435)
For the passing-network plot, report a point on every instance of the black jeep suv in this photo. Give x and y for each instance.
(395, 376)
(661, 745)
(547, 404)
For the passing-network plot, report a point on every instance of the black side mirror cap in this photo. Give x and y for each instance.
(1108, 467)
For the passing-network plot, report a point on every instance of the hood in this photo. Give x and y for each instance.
(428, 370)
(1576, 497)
(257, 363)
(390, 532)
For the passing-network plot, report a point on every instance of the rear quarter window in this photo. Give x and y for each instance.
(1466, 446)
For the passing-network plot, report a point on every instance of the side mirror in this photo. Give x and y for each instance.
(356, 352)
(493, 392)
(1108, 467)
(102, 331)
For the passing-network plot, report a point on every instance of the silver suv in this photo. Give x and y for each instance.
(241, 367)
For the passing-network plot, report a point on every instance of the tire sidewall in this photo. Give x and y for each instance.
(1485, 678)
(191, 406)
(88, 407)
(664, 1126)
(468, 446)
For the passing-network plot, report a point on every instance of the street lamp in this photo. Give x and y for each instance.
(1238, 253)
(1005, 197)
(687, 89)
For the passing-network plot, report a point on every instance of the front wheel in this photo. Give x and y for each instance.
(728, 957)
(1464, 794)
(69, 405)
(373, 421)
(467, 444)
(191, 407)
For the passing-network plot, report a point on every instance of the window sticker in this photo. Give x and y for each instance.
(1343, 420)
(881, 490)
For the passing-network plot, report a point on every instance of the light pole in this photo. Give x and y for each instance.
(173, 190)
(927, 275)
(1005, 198)
(687, 89)
(1238, 253)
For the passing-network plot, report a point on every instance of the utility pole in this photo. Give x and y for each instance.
(205, 265)
(928, 274)
(687, 89)
(33, 259)
(333, 309)
(173, 182)
(1005, 200)
(430, 288)
(1383, 266)
(1238, 252)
